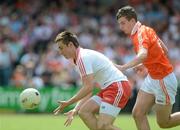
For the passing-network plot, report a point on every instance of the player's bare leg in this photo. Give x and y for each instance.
(105, 122)
(164, 117)
(88, 114)
(144, 103)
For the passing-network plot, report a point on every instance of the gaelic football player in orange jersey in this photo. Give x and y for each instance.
(160, 85)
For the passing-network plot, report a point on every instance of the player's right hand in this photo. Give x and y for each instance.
(70, 115)
(140, 70)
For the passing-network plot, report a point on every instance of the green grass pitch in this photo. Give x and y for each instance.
(51, 122)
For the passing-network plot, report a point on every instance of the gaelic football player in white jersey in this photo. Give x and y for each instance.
(93, 67)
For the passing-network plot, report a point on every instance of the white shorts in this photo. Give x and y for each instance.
(105, 107)
(164, 90)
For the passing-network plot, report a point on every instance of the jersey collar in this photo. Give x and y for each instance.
(135, 28)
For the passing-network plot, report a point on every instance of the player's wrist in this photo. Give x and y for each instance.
(75, 111)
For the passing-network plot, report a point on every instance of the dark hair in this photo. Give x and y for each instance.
(128, 12)
(67, 37)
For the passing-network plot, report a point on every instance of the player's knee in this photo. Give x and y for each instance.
(137, 113)
(163, 124)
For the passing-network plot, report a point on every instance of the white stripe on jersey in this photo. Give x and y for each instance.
(119, 94)
(82, 65)
(140, 39)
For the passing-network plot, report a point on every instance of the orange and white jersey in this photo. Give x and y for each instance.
(156, 62)
(93, 62)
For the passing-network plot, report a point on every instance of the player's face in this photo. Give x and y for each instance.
(125, 25)
(65, 50)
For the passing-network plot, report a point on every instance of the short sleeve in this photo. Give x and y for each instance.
(85, 66)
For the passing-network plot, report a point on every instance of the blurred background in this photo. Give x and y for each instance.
(29, 57)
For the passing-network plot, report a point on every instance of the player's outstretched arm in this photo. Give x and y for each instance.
(84, 91)
(140, 57)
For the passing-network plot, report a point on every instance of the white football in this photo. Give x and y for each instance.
(30, 98)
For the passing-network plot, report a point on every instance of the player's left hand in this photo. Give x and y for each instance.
(70, 116)
(60, 108)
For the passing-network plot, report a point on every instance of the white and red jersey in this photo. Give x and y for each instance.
(93, 62)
